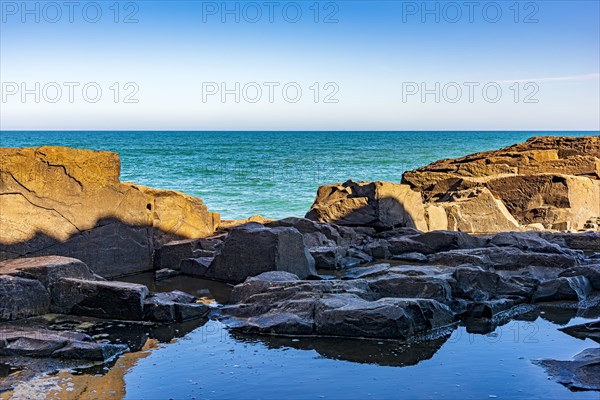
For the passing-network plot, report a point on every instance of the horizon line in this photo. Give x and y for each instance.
(293, 131)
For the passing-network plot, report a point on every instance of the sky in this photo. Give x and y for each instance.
(300, 65)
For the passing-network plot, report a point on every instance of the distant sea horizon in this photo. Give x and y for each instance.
(272, 173)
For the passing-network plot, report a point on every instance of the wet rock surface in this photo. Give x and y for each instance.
(85, 345)
(454, 277)
(43, 343)
(39, 285)
(582, 373)
(589, 330)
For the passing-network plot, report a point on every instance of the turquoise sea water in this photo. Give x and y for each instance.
(275, 174)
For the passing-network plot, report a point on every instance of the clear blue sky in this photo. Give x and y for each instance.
(371, 61)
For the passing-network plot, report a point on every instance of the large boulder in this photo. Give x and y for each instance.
(70, 202)
(252, 249)
(381, 205)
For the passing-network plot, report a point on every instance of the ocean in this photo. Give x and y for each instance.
(274, 174)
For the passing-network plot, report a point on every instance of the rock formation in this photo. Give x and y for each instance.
(451, 276)
(41, 285)
(63, 201)
(546, 183)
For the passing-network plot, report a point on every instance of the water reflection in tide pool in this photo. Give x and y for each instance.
(204, 289)
(212, 363)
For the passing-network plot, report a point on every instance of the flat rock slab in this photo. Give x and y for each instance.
(43, 343)
(48, 270)
(101, 299)
(583, 373)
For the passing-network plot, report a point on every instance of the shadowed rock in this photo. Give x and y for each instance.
(252, 249)
(70, 202)
(590, 330)
(381, 205)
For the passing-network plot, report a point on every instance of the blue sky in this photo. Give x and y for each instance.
(364, 65)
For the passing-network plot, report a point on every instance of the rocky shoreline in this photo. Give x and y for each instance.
(470, 241)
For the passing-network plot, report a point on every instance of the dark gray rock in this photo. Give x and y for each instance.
(196, 266)
(572, 288)
(48, 270)
(43, 343)
(164, 273)
(111, 300)
(315, 234)
(32, 347)
(159, 310)
(327, 243)
(363, 272)
(411, 257)
(589, 330)
(90, 351)
(503, 258)
(402, 286)
(176, 296)
(359, 254)
(489, 308)
(185, 312)
(589, 241)
(379, 249)
(22, 298)
(526, 241)
(329, 308)
(349, 262)
(477, 285)
(327, 257)
(399, 245)
(437, 241)
(252, 249)
(259, 293)
(583, 373)
(349, 315)
(591, 272)
(173, 253)
(173, 306)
